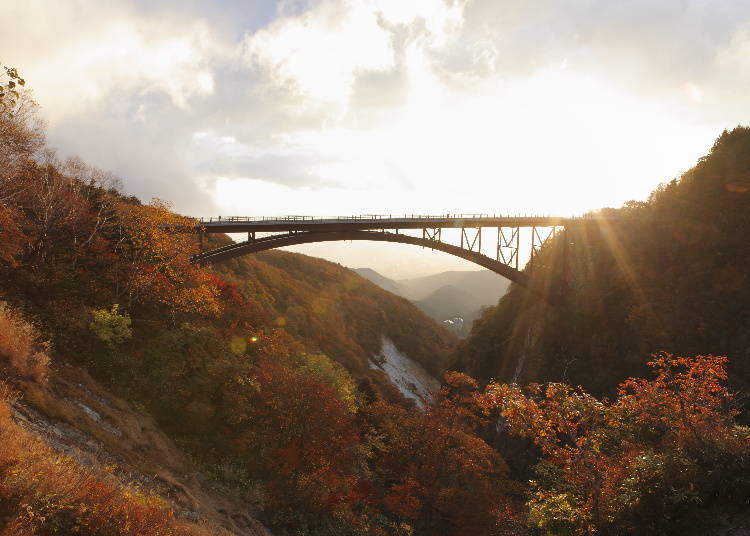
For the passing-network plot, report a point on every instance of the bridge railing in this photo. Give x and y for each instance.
(231, 219)
(375, 217)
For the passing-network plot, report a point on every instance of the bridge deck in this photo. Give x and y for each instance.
(346, 223)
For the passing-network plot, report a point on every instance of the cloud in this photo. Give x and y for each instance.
(480, 103)
(315, 56)
(77, 53)
(283, 162)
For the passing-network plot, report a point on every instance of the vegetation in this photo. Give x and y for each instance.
(21, 349)
(646, 463)
(260, 369)
(671, 273)
(43, 492)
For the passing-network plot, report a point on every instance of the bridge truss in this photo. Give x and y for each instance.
(270, 233)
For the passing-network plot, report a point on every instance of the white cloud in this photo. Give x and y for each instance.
(338, 106)
(74, 54)
(318, 54)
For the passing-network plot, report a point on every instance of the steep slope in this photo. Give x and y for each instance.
(74, 415)
(256, 368)
(672, 273)
(380, 280)
(447, 301)
(337, 312)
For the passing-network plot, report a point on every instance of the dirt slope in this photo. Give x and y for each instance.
(75, 415)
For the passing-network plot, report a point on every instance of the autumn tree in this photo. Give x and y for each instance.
(302, 440)
(21, 137)
(641, 463)
(431, 471)
(155, 246)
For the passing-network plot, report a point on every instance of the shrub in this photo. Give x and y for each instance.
(110, 326)
(644, 463)
(20, 345)
(43, 492)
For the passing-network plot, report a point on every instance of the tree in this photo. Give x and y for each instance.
(110, 326)
(20, 137)
(155, 259)
(431, 471)
(641, 463)
(302, 441)
(9, 89)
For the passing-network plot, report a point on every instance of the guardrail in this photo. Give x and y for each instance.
(375, 217)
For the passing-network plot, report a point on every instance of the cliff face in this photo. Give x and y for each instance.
(672, 273)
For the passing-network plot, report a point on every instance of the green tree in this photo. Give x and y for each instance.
(111, 326)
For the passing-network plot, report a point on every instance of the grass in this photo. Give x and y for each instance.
(43, 492)
(21, 347)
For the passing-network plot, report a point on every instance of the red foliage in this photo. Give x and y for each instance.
(432, 471)
(304, 440)
(637, 463)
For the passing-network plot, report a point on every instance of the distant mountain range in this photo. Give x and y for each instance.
(446, 295)
(383, 282)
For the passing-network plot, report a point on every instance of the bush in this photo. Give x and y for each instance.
(110, 326)
(20, 345)
(43, 492)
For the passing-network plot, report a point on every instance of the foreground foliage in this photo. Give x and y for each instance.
(643, 464)
(43, 492)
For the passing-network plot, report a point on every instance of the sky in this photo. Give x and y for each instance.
(342, 107)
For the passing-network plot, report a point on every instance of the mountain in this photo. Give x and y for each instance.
(668, 274)
(164, 398)
(482, 286)
(455, 298)
(380, 280)
(446, 302)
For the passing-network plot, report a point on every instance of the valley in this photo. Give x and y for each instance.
(455, 298)
(277, 393)
(192, 345)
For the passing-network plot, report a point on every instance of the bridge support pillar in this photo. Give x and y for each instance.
(471, 243)
(537, 241)
(508, 246)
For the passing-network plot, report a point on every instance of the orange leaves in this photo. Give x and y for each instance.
(617, 462)
(157, 260)
(305, 438)
(12, 239)
(429, 468)
(403, 499)
(147, 228)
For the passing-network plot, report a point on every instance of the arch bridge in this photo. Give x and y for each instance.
(283, 231)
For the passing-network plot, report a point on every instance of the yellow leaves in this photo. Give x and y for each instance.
(320, 306)
(149, 229)
(21, 346)
(200, 298)
(111, 326)
(331, 373)
(159, 259)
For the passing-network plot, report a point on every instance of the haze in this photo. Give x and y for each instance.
(385, 106)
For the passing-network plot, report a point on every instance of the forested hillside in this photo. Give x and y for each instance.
(671, 273)
(258, 368)
(251, 380)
